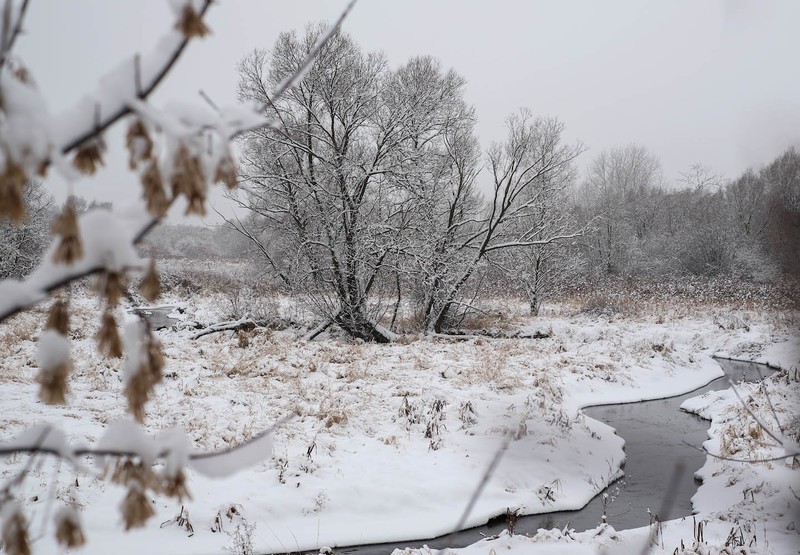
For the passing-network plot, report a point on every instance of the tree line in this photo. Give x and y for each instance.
(371, 195)
(365, 197)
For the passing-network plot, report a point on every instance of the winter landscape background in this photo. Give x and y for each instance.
(354, 294)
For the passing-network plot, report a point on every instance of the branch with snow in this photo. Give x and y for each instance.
(125, 439)
(176, 151)
(183, 130)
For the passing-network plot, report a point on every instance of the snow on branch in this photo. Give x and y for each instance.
(134, 79)
(108, 243)
(179, 150)
(188, 165)
(125, 439)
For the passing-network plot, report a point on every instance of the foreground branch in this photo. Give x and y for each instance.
(16, 296)
(215, 463)
(96, 128)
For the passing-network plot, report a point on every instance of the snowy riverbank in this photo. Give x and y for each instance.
(391, 441)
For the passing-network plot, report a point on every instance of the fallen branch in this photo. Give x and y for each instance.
(491, 333)
(248, 324)
(314, 332)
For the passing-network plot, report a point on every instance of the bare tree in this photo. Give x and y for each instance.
(782, 237)
(542, 269)
(748, 198)
(528, 169)
(619, 191)
(22, 244)
(338, 184)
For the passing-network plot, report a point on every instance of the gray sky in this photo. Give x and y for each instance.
(714, 81)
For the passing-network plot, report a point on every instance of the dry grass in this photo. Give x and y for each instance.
(680, 295)
(14, 333)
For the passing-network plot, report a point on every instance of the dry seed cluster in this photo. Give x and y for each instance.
(19, 164)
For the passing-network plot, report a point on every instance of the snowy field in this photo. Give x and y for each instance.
(390, 442)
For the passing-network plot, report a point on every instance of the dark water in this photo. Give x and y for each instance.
(655, 433)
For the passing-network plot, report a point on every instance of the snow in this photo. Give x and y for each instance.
(25, 127)
(134, 349)
(53, 350)
(223, 465)
(356, 466)
(127, 437)
(107, 239)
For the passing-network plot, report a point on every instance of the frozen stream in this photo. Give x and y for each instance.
(655, 433)
(157, 316)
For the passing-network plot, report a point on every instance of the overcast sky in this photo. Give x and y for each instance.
(694, 81)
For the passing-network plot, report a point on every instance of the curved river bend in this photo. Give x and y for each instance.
(656, 433)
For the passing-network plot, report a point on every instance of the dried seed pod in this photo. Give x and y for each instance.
(68, 529)
(136, 391)
(89, 156)
(53, 384)
(141, 384)
(153, 190)
(150, 287)
(191, 24)
(136, 508)
(188, 180)
(109, 342)
(58, 318)
(139, 144)
(175, 486)
(22, 73)
(143, 367)
(127, 472)
(155, 357)
(70, 247)
(54, 366)
(15, 531)
(112, 286)
(12, 186)
(226, 172)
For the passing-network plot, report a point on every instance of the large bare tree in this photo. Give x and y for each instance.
(340, 184)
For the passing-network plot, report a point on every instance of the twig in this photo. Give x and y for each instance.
(487, 475)
(763, 384)
(208, 100)
(751, 413)
(16, 480)
(298, 75)
(37, 448)
(670, 496)
(8, 43)
(730, 459)
(142, 94)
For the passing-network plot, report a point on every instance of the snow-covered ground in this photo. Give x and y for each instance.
(391, 441)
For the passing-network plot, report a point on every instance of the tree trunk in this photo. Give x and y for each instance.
(535, 304)
(357, 325)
